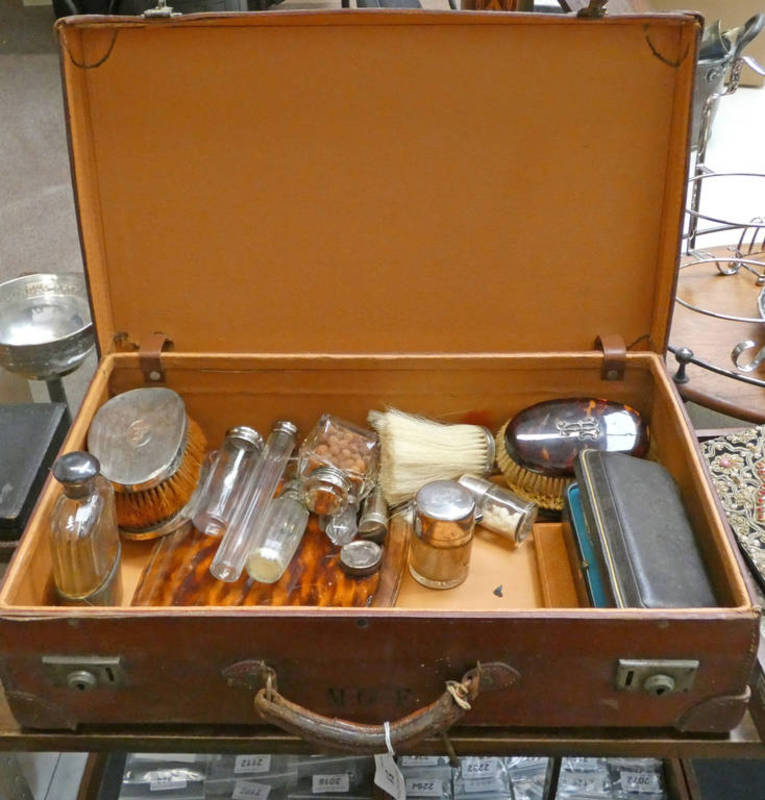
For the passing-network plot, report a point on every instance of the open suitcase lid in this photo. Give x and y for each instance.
(372, 182)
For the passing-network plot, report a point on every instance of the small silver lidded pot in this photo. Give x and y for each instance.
(84, 540)
(439, 557)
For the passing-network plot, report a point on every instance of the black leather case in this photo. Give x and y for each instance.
(30, 437)
(643, 539)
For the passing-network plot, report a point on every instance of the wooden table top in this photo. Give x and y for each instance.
(712, 339)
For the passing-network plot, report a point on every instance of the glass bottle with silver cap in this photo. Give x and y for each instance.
(500, 510)
(222, 492)
(84, 540)
(258, 494)
(444, 522)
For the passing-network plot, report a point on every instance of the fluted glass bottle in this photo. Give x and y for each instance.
(84, 540)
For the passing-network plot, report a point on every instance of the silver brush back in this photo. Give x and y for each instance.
(139, 437)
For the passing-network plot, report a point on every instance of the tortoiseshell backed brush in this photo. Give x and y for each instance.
(151, 451)
(537, 448)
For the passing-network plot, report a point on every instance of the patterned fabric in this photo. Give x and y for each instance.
(737, 464)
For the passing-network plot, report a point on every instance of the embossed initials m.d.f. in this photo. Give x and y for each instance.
(362, 697)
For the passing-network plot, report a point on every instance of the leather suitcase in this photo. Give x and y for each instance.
(340, 211)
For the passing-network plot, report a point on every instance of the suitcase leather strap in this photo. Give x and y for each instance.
(150, 356)
(614, 356)
(339, 734)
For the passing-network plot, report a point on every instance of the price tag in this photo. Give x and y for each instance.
(389, 778)
(249, 790)
(324, 784)
(419, 761)
(640, 782)
(252, 763)
(162, 783)
(419, 787)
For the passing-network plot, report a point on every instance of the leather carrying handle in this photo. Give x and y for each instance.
(339, 734)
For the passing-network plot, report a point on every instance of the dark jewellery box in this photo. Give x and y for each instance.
(340, 211)
(30, 436)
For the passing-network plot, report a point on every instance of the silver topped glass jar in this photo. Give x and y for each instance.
(84, 540)
(500, 510)
(327, 490)
(444, 522)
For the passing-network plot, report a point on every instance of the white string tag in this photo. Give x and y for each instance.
(387, 774)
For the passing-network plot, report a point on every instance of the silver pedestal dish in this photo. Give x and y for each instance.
(45, 327)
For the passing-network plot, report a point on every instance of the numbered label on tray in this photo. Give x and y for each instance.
(252, 764)
(163, 783)
(482, 775)
(420, 761)
(325, 784)
(640, 782)
(249, 790)
(420, 787)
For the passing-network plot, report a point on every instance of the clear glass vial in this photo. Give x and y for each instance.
(236, 459)
(281, 534)
(500, 510)
(84, 540)
(342, 527)
(257, 495)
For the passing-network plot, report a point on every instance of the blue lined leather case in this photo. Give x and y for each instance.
(643, 541)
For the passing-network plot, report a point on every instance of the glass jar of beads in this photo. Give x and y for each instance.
(337, 463)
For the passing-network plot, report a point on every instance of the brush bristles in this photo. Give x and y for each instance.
(146, 509)
(544, 490)
(415, 451)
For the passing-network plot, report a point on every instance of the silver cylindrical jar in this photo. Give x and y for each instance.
(439, 556)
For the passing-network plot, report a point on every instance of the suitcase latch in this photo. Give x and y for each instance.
(161, 11)
(596, 9)
(656, 676)
(84, 673)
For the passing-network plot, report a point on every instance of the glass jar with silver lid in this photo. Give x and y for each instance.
(500, 510)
